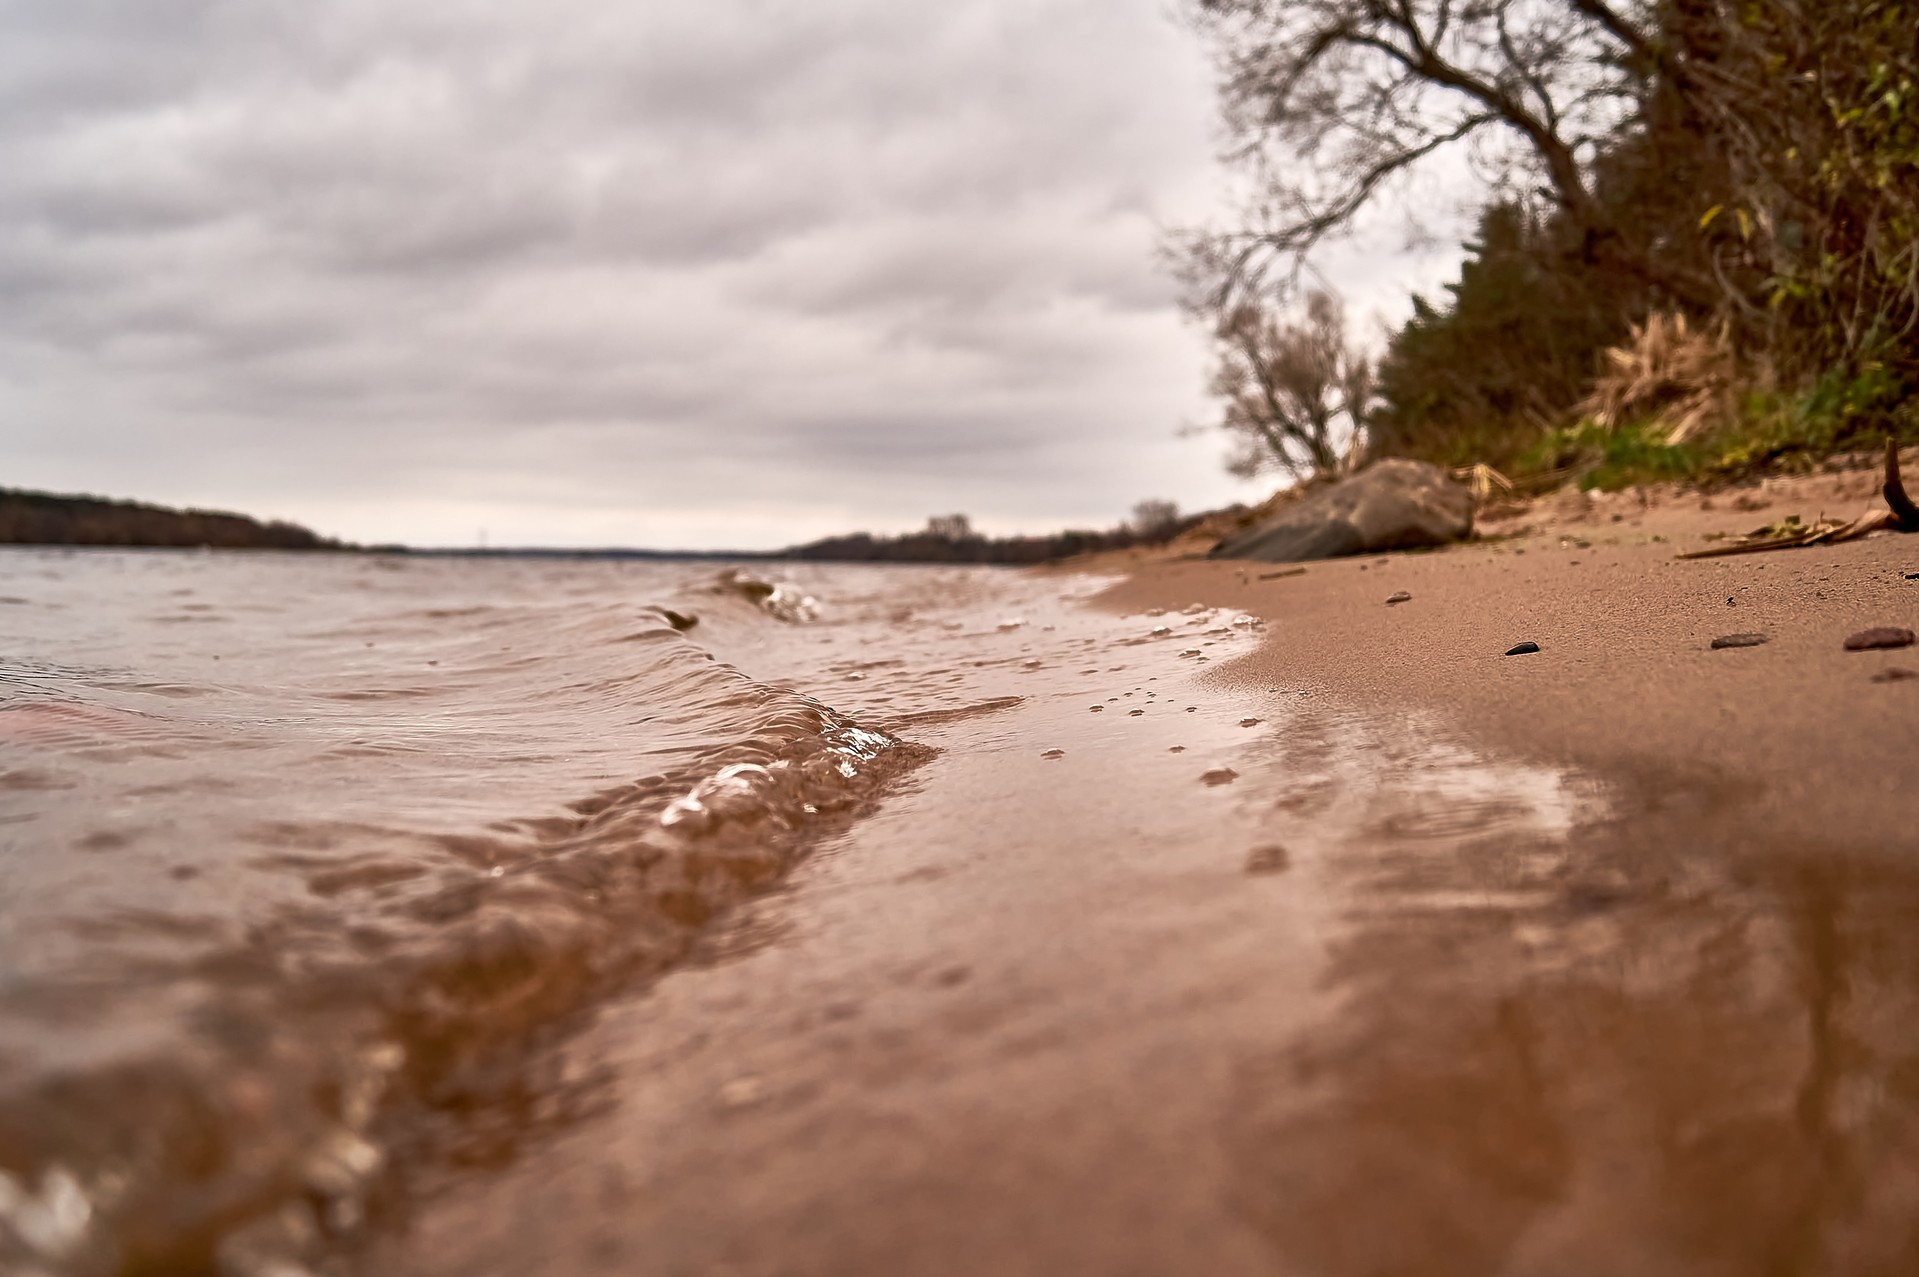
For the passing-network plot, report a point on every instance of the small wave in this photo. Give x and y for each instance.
(781, 600)
(386, 904)
(253, 1129)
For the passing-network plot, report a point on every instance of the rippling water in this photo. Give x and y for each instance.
(293, 849)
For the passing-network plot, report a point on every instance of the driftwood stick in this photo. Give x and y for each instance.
(1903, 510)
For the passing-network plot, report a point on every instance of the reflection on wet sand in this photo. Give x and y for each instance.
(1648, 1043)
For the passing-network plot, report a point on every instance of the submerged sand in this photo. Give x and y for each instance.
(1371, 951)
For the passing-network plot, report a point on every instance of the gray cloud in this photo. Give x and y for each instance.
(687, 272)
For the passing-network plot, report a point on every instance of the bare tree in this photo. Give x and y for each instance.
(1329, 101)
(950, 527)
(1153, 518)
(1296, 393)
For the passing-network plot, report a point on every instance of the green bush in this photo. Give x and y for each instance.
(1773, 433)
(1609, 459)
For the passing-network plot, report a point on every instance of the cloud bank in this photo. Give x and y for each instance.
(682, 273)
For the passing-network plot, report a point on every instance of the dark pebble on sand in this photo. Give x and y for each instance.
(679, 620)
(1595, 897)
(1524, 649)
(1219, 776)
(1404, 596)
(1894, 674)
(1054, 753)
(1738, 640)
(1268, 860)
(1883, 636)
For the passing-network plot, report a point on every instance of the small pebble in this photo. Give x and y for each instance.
(1894, 674)
(1219, 776)
(1597, 897)
(1134, 713)
(1054, 753)
(1249, 722)
(1268, 860)
(1096, 709)
(1177, 749)
(1738, 640)
(1404, 596)
(1524, 649)
(1883, 636)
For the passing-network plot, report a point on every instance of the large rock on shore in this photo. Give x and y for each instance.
(1391, 505)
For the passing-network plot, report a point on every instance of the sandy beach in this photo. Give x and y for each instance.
(1361, 949)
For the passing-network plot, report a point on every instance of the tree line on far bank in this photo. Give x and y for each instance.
(950, 538)
(1697, 250)
(42, 518)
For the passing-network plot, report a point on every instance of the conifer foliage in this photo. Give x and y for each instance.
(1733, 183)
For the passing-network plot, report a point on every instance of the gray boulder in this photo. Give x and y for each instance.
(1391, 505)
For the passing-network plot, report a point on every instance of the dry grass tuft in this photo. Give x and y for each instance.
(1484, 481)
(1669, 372)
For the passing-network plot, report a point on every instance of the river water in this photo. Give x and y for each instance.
(368, 915)
(296, 850)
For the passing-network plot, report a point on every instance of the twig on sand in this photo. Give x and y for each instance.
(1902, 517)
(1895, 490)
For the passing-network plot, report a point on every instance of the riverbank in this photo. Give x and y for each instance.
(1627, 677)
(1363, 949)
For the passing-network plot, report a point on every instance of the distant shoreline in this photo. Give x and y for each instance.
(61, 519)
(32, 518)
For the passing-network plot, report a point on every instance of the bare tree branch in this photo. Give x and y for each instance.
(1329, 100)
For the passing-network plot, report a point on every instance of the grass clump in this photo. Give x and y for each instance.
(1610, 458)
(1667, 370)
(1760, 432)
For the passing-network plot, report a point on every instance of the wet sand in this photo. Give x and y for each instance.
(1599, 960)
(1627, 679)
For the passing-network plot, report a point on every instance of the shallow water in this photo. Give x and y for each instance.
(296, 850)
(332, 886)
(1019, 1022)
(1581, 1026)
(1384, 1003)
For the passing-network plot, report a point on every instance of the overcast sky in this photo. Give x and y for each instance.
(678, 273)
